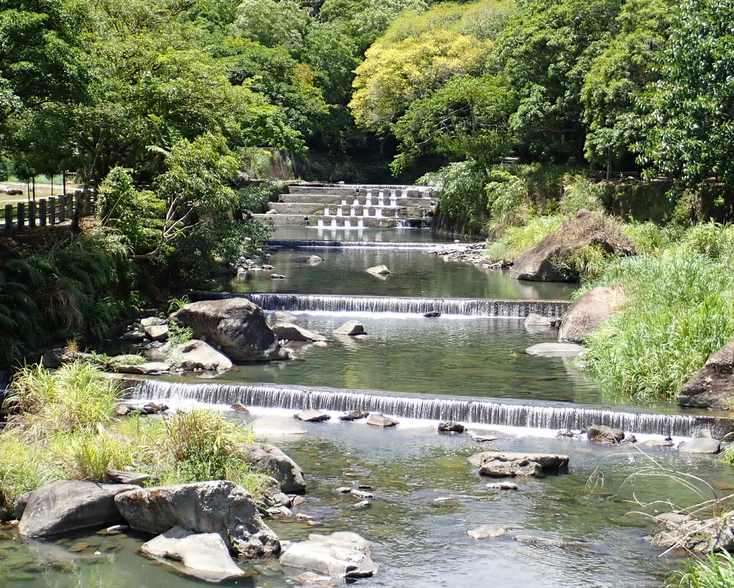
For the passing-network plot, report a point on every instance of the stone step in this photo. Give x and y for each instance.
(300, 220)
(325, 200)
(320, 209)
(345, 190)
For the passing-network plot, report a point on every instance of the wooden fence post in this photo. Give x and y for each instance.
(52, 210)
(62, 207)
(32, 215)
(42, 213)
(69, 206)
(8, 217)
(21, 216)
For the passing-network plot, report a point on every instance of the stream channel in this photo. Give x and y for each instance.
(582, 528)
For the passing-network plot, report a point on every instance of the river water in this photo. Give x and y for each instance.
(575, 529)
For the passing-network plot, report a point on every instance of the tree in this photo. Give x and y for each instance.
(688, 129)
(618, 76)
(545, 52)
(273, 23)
(467, 118)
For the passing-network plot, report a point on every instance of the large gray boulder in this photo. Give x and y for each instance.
(197, 355)
(234, 325)
(499, 464)
(216, 506)
(339, 555)
(713, 385)
(64, 505)
(201, 555)
(270, 460)
(587, 313)
(549, 260)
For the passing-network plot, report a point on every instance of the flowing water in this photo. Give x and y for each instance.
(575, 529)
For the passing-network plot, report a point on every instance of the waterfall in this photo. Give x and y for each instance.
(478, 307)
(486, 411)
(333, 244)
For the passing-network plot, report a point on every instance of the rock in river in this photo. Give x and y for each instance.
(339, 555)
(215, 506)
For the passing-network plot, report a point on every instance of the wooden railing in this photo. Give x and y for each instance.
(44, 212)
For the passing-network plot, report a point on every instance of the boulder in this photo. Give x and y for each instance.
(700, 445)
(713, 385)
(312, 260)
(350, 328)
(54, 358)
(196, 355)
(339, 555)
(270, 460)
(293, 332)
(355, 415)
(569, 350)
(157, 332)
(587, 313)
(676, 530)
(548, 260)
(378, 270)
(312, 416)
(215, 506)
(451, 427)
(377, 419)
(234, 325)
(499, 464)
(201, 555)
(64, 505)
(150, 321)
(604, 435)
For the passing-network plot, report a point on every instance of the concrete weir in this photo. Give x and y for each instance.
(487, 411)
(476, 307)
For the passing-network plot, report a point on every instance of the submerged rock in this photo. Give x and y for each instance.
(487, 532)
(234, 325)
(217, 506)
(569, 350)
(378, 270)
(65, 505)
(277, 426)
(339, 555)
(201, 555)
(350, 328)
(505, 464)
(355, 415)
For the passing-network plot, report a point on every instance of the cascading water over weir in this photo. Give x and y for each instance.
(476, 307)
(485, 411)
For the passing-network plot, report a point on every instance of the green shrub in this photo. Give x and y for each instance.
(713, 571)
(580, 193)
(649, 237)
(89, 455)
(77, 396)
(24, 467)
(681, 310)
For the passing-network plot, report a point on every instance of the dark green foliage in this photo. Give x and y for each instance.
(72, 289)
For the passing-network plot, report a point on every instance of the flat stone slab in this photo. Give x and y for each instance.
(380, 420)
(312, 416)
(350, 328)
(203, 555)
(547, 461)
(555, 350)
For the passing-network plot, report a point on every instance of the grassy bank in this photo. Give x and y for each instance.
(62, 425)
